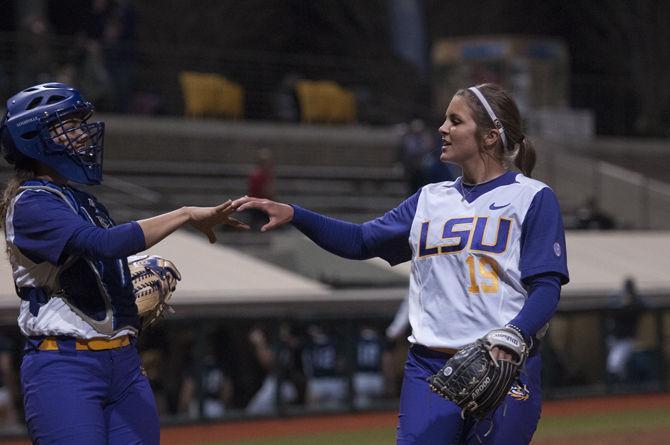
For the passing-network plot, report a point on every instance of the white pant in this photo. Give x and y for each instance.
(367, 386)
(619, 353)
(263, 401)
(326, 392)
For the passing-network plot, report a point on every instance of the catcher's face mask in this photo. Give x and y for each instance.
(49, 123)
(71, 135)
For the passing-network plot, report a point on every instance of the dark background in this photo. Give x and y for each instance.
(618, 51)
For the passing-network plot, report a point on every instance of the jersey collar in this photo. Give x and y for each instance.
(471, 194)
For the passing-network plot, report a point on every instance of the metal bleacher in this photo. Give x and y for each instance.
(597, 169)
(155, 165)
(135, 189)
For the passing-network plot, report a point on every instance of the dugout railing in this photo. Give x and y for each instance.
(574, 351)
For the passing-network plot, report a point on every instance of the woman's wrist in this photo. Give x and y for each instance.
(187, 213)
(526, 337)
(297, 213)
(291, 214)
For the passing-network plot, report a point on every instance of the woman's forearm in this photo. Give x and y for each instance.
(158, 227)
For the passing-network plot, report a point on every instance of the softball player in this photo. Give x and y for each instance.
(487, 250)
(326, 385)
(80, 374)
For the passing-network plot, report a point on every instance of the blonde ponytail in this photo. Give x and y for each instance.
(10, 190)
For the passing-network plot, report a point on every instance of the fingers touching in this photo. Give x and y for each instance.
(278, 213)
(205, 219)
(248, 202)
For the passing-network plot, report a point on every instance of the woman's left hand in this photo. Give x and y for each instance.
(501, 354)
(205, 219)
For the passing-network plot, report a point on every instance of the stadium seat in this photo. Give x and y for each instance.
(324, 101)
(211, 95)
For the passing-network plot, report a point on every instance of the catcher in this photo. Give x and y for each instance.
(488, 262)
(80, 374)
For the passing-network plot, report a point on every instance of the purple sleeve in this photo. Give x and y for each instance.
(543, 294)
(116, 242)
(45, 227)
(42, 225)
(386, 237)
(342, 238)
(543, 239)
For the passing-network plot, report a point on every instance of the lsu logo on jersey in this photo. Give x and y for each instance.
(459, 233)
(519, 392)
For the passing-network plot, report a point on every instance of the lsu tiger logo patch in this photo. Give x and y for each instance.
(519, 392)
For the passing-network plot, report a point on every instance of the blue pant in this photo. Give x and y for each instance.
(88, 397)
(425, 418)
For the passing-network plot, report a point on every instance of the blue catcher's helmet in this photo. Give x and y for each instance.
(48, 123)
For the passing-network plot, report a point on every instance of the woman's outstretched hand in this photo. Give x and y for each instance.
(278, 213)
(205, 219)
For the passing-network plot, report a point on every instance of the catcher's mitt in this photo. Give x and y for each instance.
(154, 280)
(476, 382)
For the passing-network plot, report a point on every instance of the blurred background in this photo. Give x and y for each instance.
(334, 105)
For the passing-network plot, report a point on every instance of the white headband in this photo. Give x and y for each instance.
(492, 115)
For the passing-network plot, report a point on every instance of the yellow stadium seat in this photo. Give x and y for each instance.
(325, 101)
(212, 95)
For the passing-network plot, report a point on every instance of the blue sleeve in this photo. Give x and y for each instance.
(43, 223)
(45, 228)
(116, 242)
(386, 237)
(342, 238)
(543, 239)
(543, 294)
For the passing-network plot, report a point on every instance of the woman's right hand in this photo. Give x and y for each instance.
(203, 219)
(278, 213)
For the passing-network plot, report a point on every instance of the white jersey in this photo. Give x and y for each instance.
(471, 252)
